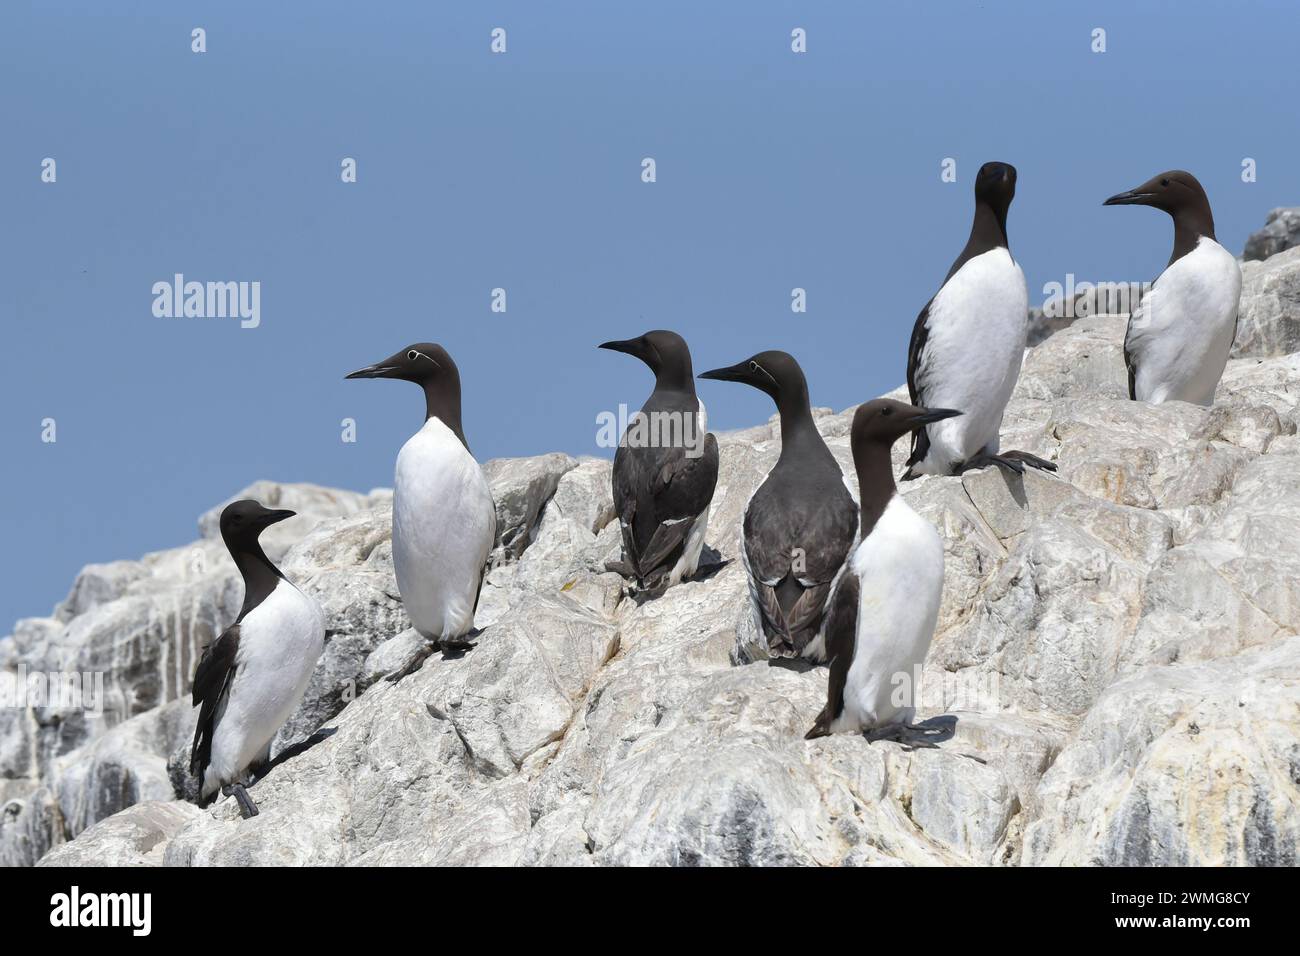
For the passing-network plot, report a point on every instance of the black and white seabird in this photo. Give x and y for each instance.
(801, 521)
(882, 615)
(1180, 334)
(444, 519)
(252, 678)
(968, 344)
(665, 469)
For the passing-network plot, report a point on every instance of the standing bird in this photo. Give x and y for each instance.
(665, 469)
(444, 519)
(800, 523)
(968, 343)
(1180, 334)
(885, 606)
(252, 678)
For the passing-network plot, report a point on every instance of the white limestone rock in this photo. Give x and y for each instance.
(1268, 322)
(135, 837)
(1115, 677)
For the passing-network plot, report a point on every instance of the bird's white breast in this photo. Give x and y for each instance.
(1180, 335)
(444, 523)
(280, 642)
(899, 567)
(975, 345)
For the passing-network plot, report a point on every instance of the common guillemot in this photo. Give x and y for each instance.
(444, 519)
(968, 344)
(882, 615)
(801, 521)
(1180, 334)
(251, 679)
(665, 469)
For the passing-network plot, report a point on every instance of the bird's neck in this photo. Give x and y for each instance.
(988, 231)
(794, 407)
(259, 574)
(667, 388)
(678, 376)
(800, 439)
(989, 228)
(876, 486)
(1190, 225)
(442, 401)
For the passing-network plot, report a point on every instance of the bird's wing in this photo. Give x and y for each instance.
(767, 540)
(623, 479)
(830, 533)
(660, 508)
(803, 544)
(841, 640)
(805, 539)
(667, 539)
(916, 381)
(772, 617)
(211, 685)
(804, 619)
(1131, 365)
(684, 485)
(621, 483)
(1140, 324)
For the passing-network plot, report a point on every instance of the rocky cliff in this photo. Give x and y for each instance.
(1281, 232)
(1115, 678)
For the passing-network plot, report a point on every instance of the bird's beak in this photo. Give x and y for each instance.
(1130, 198)
(273, 517)
(732, 373)
(627, 346)
(927, 416)
(374, 371)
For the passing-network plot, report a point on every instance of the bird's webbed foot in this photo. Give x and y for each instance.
(247, 808)
(1033, 461)
(458, 645)
(1010, 461)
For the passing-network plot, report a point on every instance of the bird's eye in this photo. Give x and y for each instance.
(886, 410)
(1164, 182)
(753, 366)
(412, 355)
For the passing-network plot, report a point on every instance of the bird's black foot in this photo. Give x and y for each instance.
(705, 571)
(984, 461)
(414, 663)
(1033, 461)
(455, 646)
(247, 808)
(1010, 461)
(909, 736)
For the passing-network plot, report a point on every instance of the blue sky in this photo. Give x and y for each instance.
(522, 171)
